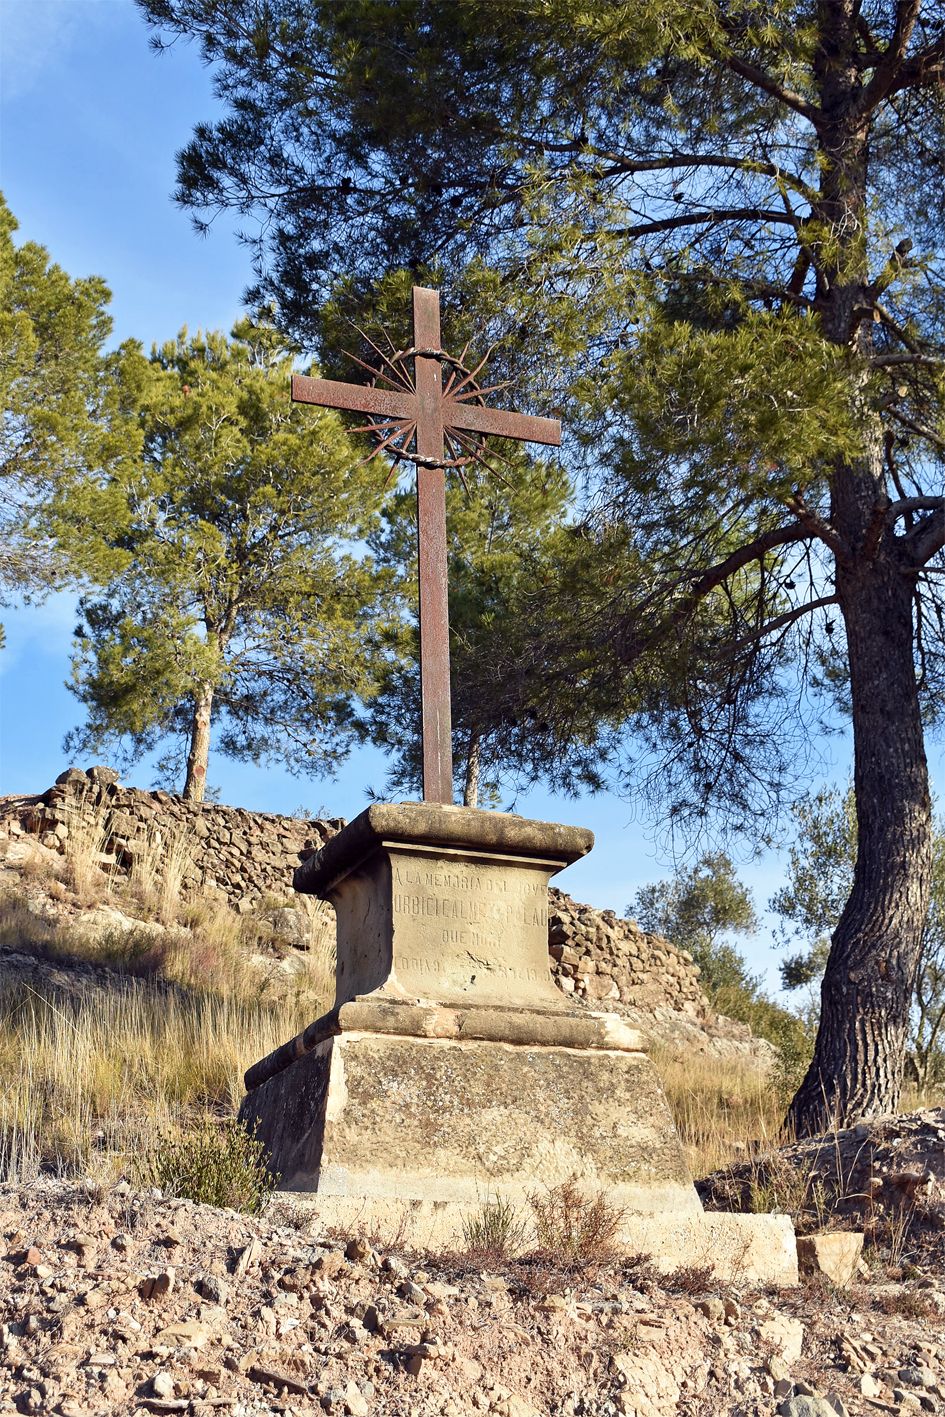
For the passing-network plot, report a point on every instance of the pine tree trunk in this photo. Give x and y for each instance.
(471, 784)
(859, 1056)
(195, 784)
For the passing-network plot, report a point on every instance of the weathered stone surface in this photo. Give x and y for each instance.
(442, 828)
(71, 775)
(835, 1254)
(411, 1120)
(102, 776)
(136, 821)
(785, 1335)
(443, 903)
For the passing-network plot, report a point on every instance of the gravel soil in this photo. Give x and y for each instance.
(116, 1301)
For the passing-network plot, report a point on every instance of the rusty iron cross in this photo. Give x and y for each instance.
(425, 414)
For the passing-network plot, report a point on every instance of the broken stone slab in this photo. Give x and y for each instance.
(836, 1254)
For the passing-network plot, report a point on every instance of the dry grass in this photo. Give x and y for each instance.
(96, 1069)
(159, 867)
(719, 1106)
(85, 855)
(565, 1227)
(93, 1077)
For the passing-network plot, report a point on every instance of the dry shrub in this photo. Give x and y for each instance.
(578, 1226)
(906, 1303)
(43, 869)
(691, 1280)
(776, 1186)
(22, 928)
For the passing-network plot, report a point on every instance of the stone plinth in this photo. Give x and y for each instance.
(443, 903)
(450, 1071)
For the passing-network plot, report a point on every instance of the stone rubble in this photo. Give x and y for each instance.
(886, 1166)
(268, 1315)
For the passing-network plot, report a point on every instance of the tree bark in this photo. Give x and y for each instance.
(859, 1055)
(471, 784)
(195, 783)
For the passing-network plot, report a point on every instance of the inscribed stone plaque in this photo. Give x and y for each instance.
(471, 928)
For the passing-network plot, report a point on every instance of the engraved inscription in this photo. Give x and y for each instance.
(438, 967)
(462, 927)
(485, 900)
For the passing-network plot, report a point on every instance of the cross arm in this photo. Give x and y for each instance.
(476, 419)
(357, 398)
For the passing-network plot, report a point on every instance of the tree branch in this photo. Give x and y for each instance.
(781, 622)
(816, 526)
(739, 164)
(913, 504)
(926, 538)
(891, 323)
(889, 361)
(652, 228)
(918, 428)
(707, 581)
(889, 68)
(769, 85)
(926, 65)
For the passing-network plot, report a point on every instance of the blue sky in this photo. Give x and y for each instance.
(90, 120)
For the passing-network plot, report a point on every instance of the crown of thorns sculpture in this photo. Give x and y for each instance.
(397, 436)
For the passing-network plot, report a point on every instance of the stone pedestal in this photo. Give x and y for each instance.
(450, 1071)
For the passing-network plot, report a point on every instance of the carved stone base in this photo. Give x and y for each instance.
(420, 1118)
(409, 1136)
(451, 1072)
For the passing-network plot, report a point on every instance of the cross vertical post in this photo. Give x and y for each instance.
(431, 560)
(419, 420)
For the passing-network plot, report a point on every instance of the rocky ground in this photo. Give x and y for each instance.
(114, 1301)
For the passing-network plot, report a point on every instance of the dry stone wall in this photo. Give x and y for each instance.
(223, 851)
(597, 958)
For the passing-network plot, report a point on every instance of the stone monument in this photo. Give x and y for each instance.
(451, 1071)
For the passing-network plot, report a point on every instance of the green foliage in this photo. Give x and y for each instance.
(57, 396)
(495, 1230)
(638, 207)
(226, 549)
(214, 1163)
(819, 877)
(697, 906)
(821, 863)
(696, 909)
(716, 247)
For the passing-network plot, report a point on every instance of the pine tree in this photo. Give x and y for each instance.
(231, 590)
(59, 418)
(724, 219)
